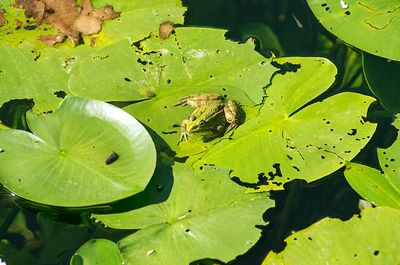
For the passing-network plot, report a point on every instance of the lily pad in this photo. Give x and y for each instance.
(84, 153)
(383, 80)
(97, 251)
(113, 74)
(199, 60)
(380, 188)
(291, 138)
(29, 69)
(370, 25)
(372, 185)
(181, 230)
(369, 239)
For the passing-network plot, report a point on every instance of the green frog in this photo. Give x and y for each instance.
(210, 117)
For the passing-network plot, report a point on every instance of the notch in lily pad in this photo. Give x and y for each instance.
(66, 159)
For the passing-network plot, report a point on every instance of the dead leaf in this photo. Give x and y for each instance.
(165, 29)
(87, 25)
(3, 20)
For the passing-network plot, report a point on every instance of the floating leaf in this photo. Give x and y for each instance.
(369, 25)
(290, 139)
(97, 251)
(204, 209)
(199, 60)
(369, 239)
(29, 69)
(383, 80)
(63, 162)
(113, 74)
(372, 185)
(381, 189)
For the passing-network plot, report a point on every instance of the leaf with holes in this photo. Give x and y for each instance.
(293, 139)
(370, 25)
(362, 241)
(85, 153)
(381, 189)
(199, 60)
(30, 69)
(193, 227)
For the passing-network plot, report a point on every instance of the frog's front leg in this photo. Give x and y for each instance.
(198, 100)
(231, 111)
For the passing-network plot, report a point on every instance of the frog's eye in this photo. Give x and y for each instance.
(202, 122)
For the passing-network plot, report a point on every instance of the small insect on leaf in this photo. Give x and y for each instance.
(112, 158)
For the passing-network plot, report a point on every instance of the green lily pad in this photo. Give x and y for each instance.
(369, 239)
(372, 185)
(383, 80)
(370, 25)
(381, 189)
(204, 209)
(30, 69)
(113, 74)
(71, 159)
(290, 139)
(97, 251)
(199, 60)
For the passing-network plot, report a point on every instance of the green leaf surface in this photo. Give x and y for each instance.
(63, 162)
(204, 209)
(113, 74)
(371, 25)
(97, 251)
(289, 140)
(30, 69)
(381, 189)
(372, 185)
(198, 60)
(369, 239)
(383, 80)
(26, 73)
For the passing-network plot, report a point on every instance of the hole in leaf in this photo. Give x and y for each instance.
(60, 94)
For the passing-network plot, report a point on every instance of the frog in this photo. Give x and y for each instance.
(212, 116)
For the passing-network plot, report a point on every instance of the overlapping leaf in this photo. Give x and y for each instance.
(63, 163)
(29, 69)
(290, 140)
(370, 25)
(202, 211)
(381, 189)
(199, 60)
(369, 239)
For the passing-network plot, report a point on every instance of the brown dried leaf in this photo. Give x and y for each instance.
(3, 20)
(51, 40)
(165, 29)
(87, 25)
(86, 6)
(64, 15)
(105, 13)
(67, 17)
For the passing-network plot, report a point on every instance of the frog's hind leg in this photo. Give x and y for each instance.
(231, 111)
(198, 100)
